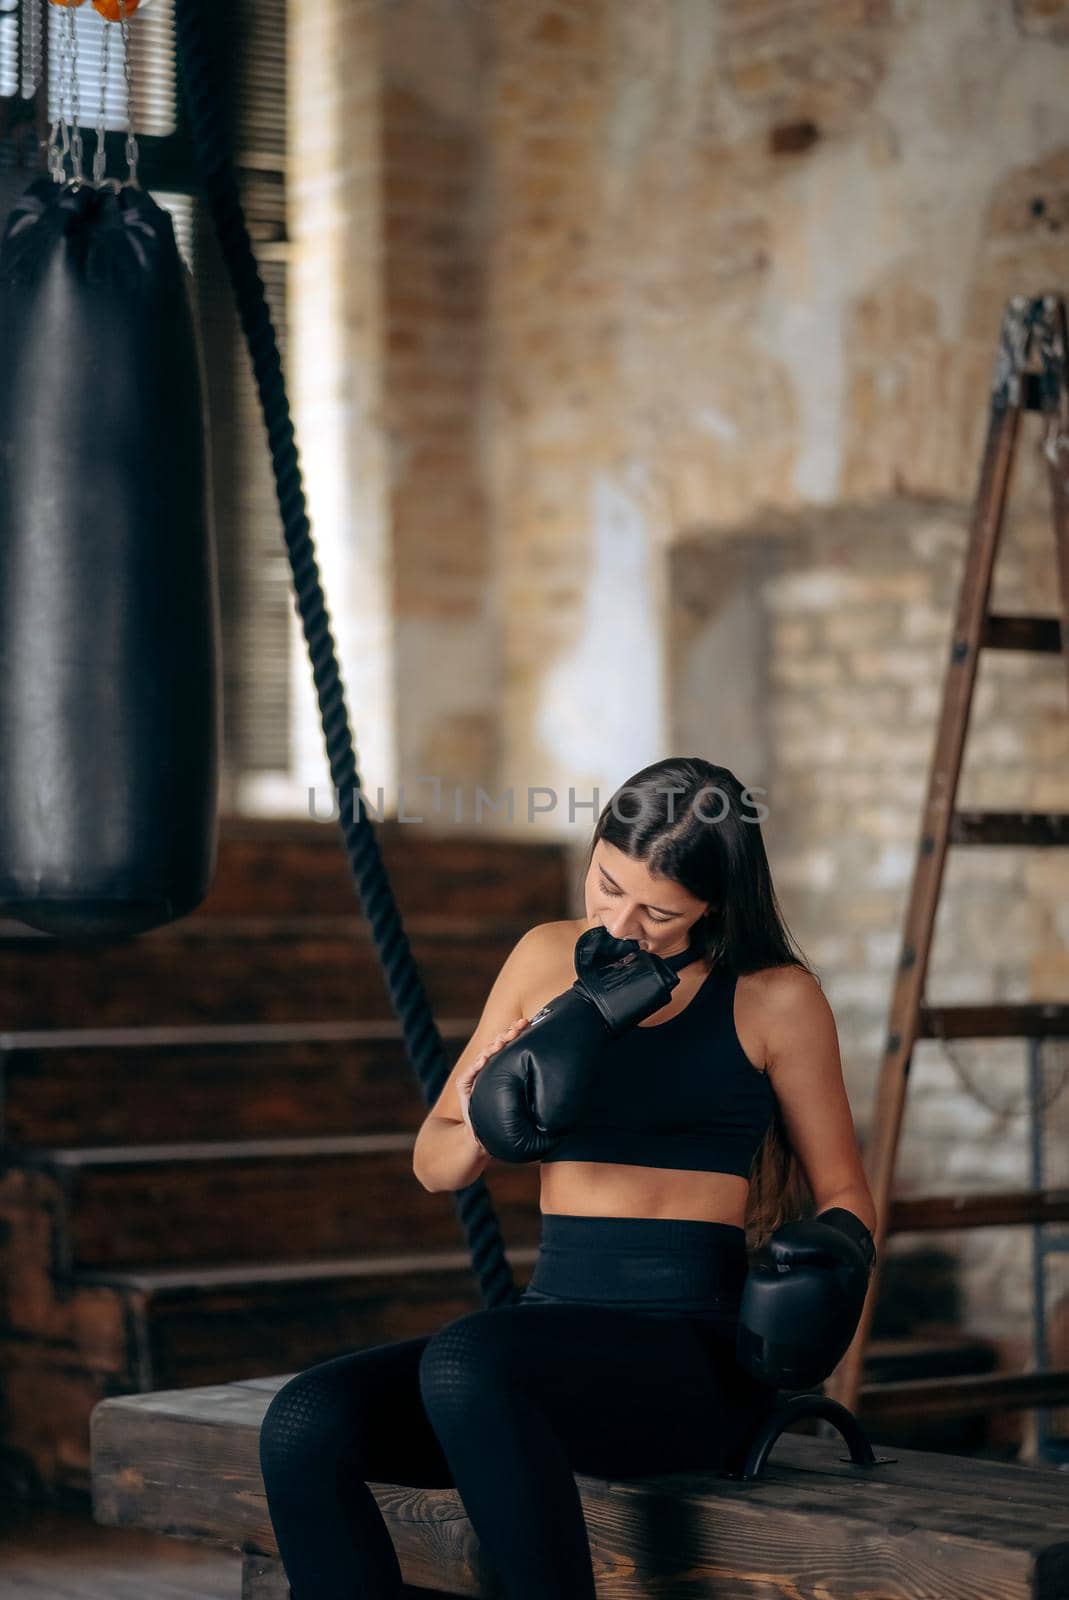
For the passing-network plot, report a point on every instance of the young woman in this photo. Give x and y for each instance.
(697, 1142)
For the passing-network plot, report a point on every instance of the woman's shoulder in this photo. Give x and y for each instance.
(554, 936)
(772, 999)
(785, 984)
(548, 943)
(782, 991)
(545, 957)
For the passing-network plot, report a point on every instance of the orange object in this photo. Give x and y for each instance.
(109, 9)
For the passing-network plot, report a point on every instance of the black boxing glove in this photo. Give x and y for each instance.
(533, 1090)
(802, 1299)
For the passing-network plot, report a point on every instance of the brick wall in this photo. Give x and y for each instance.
(337, 375)
(435, 66)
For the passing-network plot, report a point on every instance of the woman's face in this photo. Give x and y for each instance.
(631, 903)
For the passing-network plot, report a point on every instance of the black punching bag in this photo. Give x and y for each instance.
(110, 695)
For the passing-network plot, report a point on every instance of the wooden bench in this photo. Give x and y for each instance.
(918, 1524)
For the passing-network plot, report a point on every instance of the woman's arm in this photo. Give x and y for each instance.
(447, 1156)
(806, 1074)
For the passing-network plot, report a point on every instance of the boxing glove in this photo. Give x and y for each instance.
(533, 1090)
(802, 1299)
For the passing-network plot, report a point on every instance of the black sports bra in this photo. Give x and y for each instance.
(681, 1093)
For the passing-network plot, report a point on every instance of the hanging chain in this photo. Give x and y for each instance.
(58, 142)
(1004, 1113)
(100, 155)
(131, 142)
(64, 140)
(76, 137)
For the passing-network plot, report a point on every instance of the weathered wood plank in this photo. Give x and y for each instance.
(187, 1463)
(297, 1201)
(57, 1552)
(243, 971)
(132, 1087)
(285, 866)
(290, 1320)
(264, 1578)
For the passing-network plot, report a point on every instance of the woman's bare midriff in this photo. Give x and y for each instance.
(610, 1189)
(613, 1189)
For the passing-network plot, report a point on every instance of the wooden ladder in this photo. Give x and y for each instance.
(1030, 375)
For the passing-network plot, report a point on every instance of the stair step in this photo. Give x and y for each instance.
(281, 866)
(214, 1150)
(256, 1320)
(215, 1033)
(131, 1086)
(266, 1200)
(164, 1281)
(230, 971)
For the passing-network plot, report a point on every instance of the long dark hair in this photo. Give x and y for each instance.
(694, 822)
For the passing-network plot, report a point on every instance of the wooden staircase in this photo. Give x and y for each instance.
(207, 1131)
(207, 1136)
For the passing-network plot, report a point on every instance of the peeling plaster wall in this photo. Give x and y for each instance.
(743, 259)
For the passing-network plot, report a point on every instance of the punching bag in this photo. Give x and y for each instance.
(110, 694)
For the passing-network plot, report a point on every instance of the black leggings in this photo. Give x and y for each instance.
(618, 1361)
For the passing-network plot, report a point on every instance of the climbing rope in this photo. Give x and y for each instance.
(407, 995)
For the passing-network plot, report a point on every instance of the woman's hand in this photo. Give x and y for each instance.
(467, 1078)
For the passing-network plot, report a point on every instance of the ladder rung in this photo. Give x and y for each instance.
(966, 1396)
(996, 1209)
(1007, 632)
(1035, 828)
(1021, 632)
(1040, 1019)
